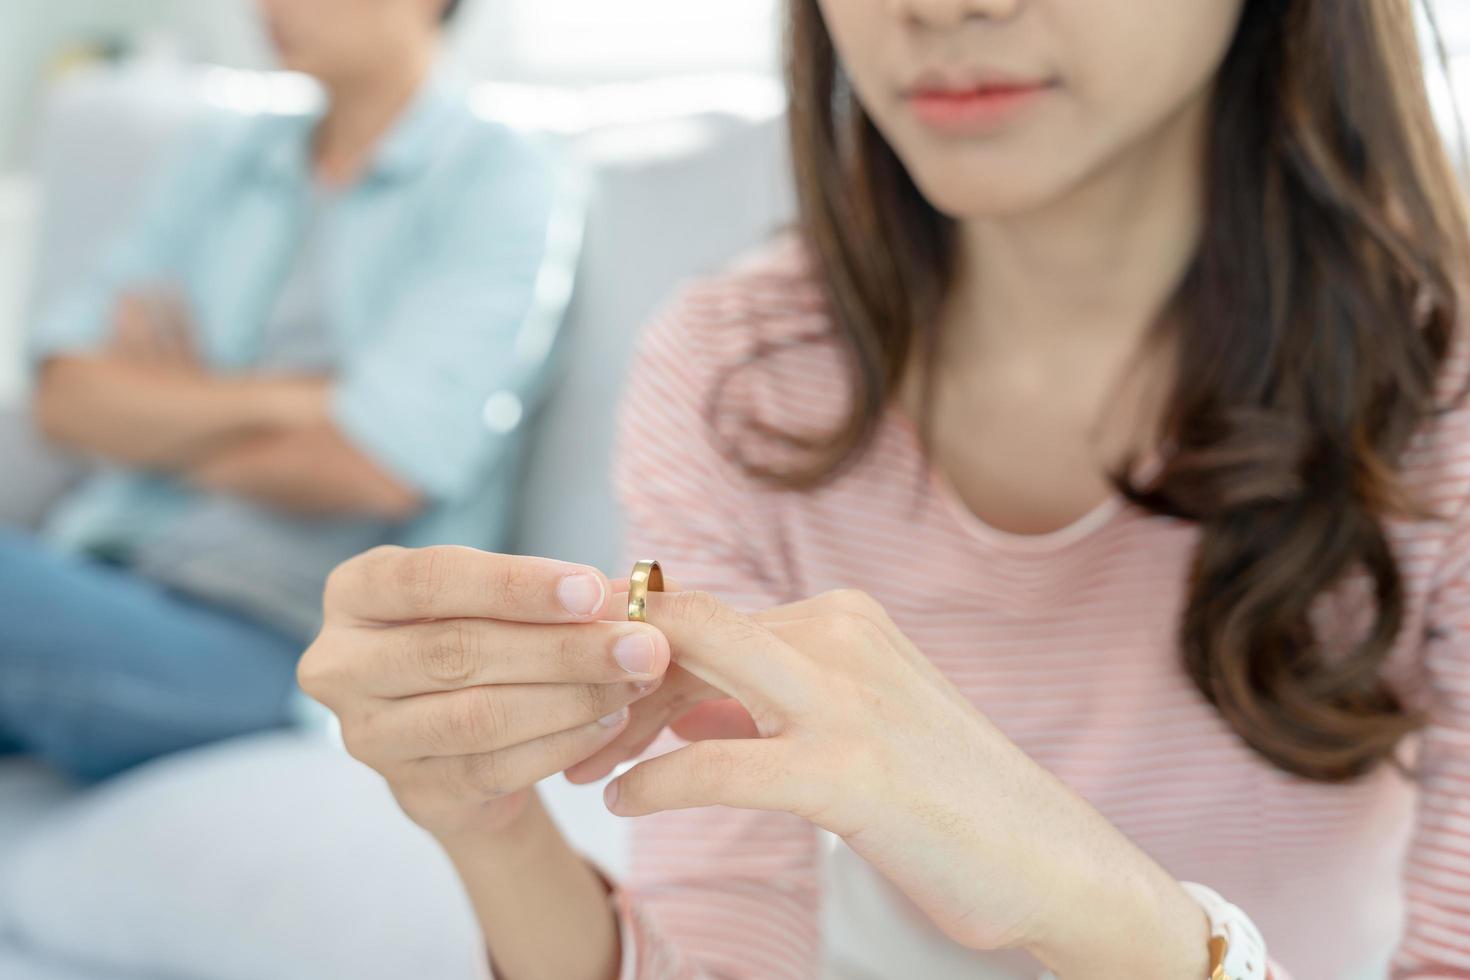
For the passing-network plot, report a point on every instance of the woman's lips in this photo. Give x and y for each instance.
(976, 109)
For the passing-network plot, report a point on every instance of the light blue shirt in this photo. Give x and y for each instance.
(428, 268)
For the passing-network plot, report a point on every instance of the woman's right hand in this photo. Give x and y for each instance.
(465, 676)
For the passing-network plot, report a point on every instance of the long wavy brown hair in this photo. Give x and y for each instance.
(1308, 338)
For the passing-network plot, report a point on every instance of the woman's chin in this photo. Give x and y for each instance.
(970, 196)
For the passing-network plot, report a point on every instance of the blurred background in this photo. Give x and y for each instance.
(667, 117)
(563, 45)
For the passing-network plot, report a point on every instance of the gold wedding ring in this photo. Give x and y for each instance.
(645, 575)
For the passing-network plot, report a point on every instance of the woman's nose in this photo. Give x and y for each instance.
(951, 13)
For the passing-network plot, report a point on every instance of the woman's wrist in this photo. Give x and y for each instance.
(1132, 925)
(543, 908)
(517, 826)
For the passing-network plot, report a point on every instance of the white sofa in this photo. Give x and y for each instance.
(278, 858)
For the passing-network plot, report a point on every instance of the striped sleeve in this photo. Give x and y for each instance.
(1436, 940)
(712, 892)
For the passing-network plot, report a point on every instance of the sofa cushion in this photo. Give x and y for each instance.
(276, 856)
(29, 795)
(21, 964)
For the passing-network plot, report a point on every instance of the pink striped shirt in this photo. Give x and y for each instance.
(1066, 640)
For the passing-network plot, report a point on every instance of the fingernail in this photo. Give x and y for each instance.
(615, 719)
(610, 794)
(580, 593)
(634, 653)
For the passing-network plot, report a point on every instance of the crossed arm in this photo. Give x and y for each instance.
(145, 401)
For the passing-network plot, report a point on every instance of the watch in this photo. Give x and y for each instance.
(1237, 951)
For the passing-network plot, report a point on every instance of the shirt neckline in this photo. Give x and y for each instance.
(948, 497)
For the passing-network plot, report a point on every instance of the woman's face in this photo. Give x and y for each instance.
(338, 40)
(1003, 106)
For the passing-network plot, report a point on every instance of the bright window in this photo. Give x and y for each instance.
(598, 39)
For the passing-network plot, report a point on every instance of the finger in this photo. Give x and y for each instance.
(393, 585)
(821, 618)
(449, 654)
(158, 326)
(618, 608)
(491, 775)
(730, 650)
(723, 718)
(129, 329)
(160, 344)
(621, 585)
(851, 601)
(173, 344)
(751, 774)
(822, 621)
(652, 713)
(650, 716)
(129, 309)
(628, 745)
(180, 330)
(487, 719)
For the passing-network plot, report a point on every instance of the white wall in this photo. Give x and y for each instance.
(36, 32)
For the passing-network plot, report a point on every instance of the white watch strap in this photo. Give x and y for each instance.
(1245, 954)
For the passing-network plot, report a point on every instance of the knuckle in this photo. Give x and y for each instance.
(711, 760)
(857, 601)
(482, 719)
(697, 607)
(338, 584)
(353, 575)
(508, 581)
(704, 610)
(483, 776)
(565, 654)
(491, 722)
(369, 737)
(466, 722)
(420, 576)
(450, 655)
(432, 730)
(713, 766)
(320, 670)
(359, 742)
(852, 627)
(593, 700)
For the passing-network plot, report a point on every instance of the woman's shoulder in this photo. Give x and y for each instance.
(760, 329)
(769, 297)
(750, 348)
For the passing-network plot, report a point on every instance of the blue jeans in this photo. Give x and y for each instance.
(101, 669)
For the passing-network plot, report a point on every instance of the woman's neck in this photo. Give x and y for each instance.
(1091, 270)
(362, 111)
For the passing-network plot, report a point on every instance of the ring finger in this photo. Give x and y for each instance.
(495, 717)
(488, 775)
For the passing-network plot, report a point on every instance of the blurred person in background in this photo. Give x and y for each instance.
(1081, 504)
(284, 361)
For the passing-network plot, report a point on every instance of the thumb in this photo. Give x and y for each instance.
(746, 773)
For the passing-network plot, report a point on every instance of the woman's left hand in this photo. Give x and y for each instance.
(855, 730)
